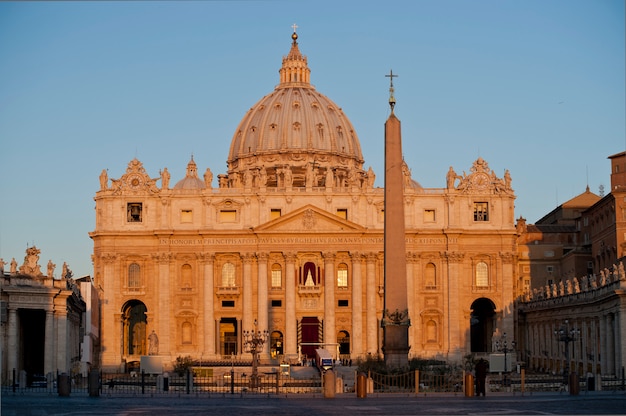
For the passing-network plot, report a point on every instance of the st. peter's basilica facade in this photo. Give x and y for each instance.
(290, 240)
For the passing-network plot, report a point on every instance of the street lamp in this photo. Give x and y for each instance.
(503, 346)
(253, 343)
(566, 335)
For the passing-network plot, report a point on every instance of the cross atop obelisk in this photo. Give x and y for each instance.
(392, 99)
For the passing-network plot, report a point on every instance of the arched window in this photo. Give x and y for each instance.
(482, 274)
(277, 276)
(430, 276)
(309, 276)
(185, 276)
(134, 276)
(186, 332)
(228, 275)
(342, 276)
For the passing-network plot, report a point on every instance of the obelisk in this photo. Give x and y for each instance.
(395, 320)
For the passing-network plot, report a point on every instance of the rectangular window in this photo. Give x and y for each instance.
(228, 304)
(186, 215)
(342, 213)
(342, 303)
(134, 211)
(550, 269)
(277, 280)
(429, 215)
(228, 215)
(277, 303)
(342, 278)
(481, 211)
(275, 213)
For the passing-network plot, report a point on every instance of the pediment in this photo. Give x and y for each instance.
(310, 219)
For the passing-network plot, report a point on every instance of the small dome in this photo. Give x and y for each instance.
(191, 180)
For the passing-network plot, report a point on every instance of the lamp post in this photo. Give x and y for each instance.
(566, 335)
(253, 343)
(503, 346)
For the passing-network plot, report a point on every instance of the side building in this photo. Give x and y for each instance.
(42, 322)
(291, 241)
(573, 315)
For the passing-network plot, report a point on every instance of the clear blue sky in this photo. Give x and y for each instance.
(533, 86)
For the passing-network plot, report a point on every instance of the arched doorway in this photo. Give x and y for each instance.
(343, 339)
(276, 344)
(135, 322)
(482, 324)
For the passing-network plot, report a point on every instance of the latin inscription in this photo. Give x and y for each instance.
(296, 240)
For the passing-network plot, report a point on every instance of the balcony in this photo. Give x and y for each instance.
(227, 292)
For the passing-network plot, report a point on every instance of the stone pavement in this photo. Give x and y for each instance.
(592, 403)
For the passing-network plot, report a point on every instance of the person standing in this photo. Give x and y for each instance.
(481, 376)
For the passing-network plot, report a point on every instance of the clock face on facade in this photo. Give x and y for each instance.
(480, 180)
(134, 181)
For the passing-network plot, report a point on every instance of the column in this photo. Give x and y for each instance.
(610, 343)
(603, 346)
(262, 301)
(356, 337)
(248, 316)
(410, 290)
(62, 362)
(618, 344)
(164, 304)
(371, 293)
(209, 301)
(291, 328)
(13, 342)
(48, 362)
(111, 336)
(453, 310)
(330, 334)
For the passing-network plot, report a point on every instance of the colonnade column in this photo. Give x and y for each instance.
(48, 361)
(356, 337)
(262, 300)
(330, 336)
(610, 343)
(62, 362)
(291, 330)
(371, 293)
(247, 324)
(12, 352)
(620, 349)
(209, 300)
(603, 347)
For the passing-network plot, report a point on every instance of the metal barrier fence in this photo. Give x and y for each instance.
(241, 384)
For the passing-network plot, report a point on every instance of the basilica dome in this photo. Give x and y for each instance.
(296, 128)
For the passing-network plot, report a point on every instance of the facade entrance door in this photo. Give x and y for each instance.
(228, 336)
(135, 321)
(310, 335)
(482, 324)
